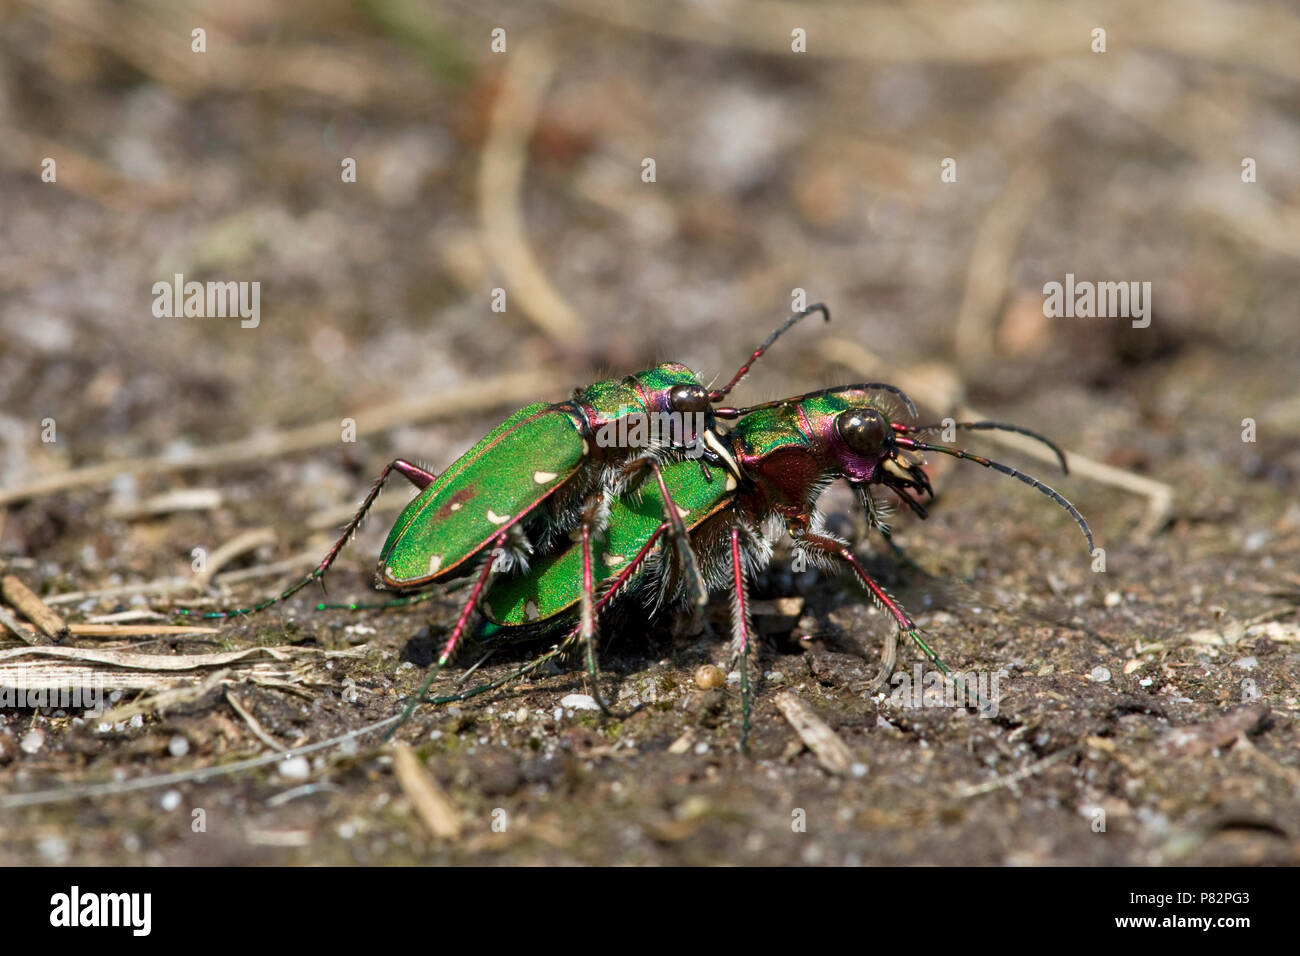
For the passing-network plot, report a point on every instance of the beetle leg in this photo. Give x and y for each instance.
(741, 628)
(916, 506)
(524, 671)
(589, 606)
(411, 600)
(587, 612)
(676, 530)
(462, 622)
(611, 591)
(695, 585)
(415, 474)
(840, 552)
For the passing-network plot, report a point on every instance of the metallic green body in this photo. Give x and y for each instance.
(494, 485)
(635, 393)
(769, 430)
(553, 585)
(510, 473)
(771, 436)
(799, 423)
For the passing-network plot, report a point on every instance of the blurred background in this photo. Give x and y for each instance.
(1169, 158)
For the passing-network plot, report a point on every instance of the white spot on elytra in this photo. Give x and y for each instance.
(542, 477)
(614, 560)
(455, 506)
(435, 562)
(530, 611)
(731, 482)
(496, 518)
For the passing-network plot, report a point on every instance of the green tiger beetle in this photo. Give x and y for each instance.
(530, 481)
(778, 459)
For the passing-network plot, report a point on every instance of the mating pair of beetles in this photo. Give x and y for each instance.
(549, 525)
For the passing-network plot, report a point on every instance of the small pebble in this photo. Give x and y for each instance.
(178, 746)
(708, 677)
(693, 807)
(33, 741)
(579, 702)
(1100, 675)
(295, 768)
(171, 800)
(1246, 663)
(53, 848)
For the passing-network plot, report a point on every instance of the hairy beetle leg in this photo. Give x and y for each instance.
(413, 473)
(587, 613)
(685, 555)
(741, 630)
(841, 553)
(569, 639)
(462, 622)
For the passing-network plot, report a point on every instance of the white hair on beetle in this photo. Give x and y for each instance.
(514, 555)
(878, 509)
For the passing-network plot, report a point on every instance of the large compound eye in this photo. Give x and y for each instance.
(689, 399)
(864, 430)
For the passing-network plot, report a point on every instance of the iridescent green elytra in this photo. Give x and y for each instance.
(553, 585)
(537, 452)
(491, 486)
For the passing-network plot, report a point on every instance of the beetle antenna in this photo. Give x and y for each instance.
(990, 426)
(894, 390)
(718, 394)
(1006, 470)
